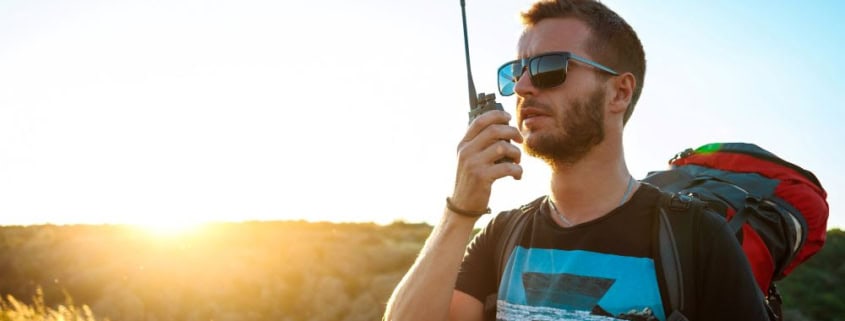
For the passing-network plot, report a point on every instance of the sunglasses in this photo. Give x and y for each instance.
(545, 71)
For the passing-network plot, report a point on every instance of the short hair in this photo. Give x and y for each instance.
(612, 43)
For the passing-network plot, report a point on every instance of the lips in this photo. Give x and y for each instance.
(531, 113)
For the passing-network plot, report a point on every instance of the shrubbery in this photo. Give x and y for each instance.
(233, 271)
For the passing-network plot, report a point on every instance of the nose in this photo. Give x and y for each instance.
(523, 86)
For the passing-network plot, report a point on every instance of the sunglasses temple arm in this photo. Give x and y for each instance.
(594, 64)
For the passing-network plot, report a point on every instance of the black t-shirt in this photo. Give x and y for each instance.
(605, 269)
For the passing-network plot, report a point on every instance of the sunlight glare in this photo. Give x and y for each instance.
(169, 227)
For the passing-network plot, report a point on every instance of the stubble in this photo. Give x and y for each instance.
(578, 130)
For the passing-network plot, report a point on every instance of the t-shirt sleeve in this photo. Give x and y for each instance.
(726, 289)
(477, 274)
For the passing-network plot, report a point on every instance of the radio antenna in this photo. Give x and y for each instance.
(472, 95)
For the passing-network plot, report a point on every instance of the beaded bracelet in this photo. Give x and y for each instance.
(462, 212)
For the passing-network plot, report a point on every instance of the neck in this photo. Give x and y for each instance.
(593, 186)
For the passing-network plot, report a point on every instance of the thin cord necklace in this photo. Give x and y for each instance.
(622, 201)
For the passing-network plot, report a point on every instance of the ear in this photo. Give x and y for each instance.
(621, 92)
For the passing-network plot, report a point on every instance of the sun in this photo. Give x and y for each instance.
(169, 226)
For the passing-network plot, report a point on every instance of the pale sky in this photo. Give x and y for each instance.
(185, 110)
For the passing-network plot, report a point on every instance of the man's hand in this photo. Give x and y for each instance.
(487, 140)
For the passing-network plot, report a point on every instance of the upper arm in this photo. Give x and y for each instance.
(465, 307)
(477, 277)
(728, 290)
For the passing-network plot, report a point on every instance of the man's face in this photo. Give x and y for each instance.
(560, 124)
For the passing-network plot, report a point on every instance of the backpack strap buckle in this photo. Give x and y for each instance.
(680, 202)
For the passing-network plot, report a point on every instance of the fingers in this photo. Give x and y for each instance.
(480, 155)
(487, 129)
(494, 135)
(491, 143)
(499, 151)
(485, 120)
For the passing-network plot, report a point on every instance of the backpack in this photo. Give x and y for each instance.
(777, 209)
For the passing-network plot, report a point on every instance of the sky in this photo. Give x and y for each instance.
(185, 111)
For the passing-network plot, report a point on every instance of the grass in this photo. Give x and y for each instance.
(12, 309)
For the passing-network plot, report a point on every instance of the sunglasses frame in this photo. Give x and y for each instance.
(526, 63)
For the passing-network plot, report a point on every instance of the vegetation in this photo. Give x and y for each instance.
(816, 289)
(245, 271)
(14, 310)
(263, 271)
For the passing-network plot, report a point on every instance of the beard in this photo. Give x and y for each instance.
(576, 133)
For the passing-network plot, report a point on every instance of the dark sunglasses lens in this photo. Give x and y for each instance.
(548, 71)
(508, 76)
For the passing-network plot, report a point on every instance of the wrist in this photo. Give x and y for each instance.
(452, 208)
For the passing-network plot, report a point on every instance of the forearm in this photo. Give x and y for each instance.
(425, 292)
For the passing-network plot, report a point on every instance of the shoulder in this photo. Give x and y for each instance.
(701, 228)
(685, 207)
(506, 219)
(479, 271)
(503, 223)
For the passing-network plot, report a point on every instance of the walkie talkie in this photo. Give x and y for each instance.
(481, 103)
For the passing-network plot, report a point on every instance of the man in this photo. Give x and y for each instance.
(587, 250)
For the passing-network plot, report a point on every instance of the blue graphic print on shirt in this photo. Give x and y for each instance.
(577, 285)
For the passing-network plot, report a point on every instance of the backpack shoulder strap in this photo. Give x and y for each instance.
(675, 220)
(511, 233)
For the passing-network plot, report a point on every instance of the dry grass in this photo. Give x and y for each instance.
(12, 309)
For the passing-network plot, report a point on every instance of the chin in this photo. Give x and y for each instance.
(534, 130)
(531, 141)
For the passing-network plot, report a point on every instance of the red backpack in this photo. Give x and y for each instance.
(777, 209)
